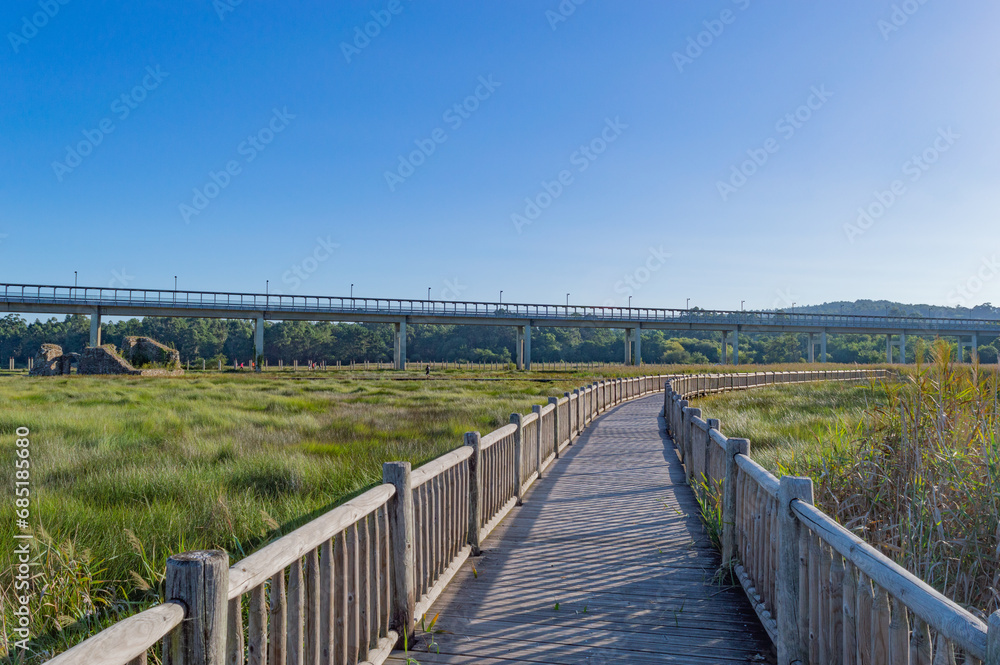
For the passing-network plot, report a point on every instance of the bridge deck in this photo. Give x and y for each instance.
(611, 534)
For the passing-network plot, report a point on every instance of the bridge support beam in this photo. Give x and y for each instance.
(902, 348)
(637, 345)
(95, 328)
(811, 356)
(527, 346)
(399, 351)
(628, 346)
(725, 348)
(258, 342)
(736, 346)
(974, 350)
(523, 346)
(822, 346)
(888, 349)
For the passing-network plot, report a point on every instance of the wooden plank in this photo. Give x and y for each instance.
(257, 632)
(312, 609)
(277, 622)
(296, 614)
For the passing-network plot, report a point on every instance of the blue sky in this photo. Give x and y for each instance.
(715, 150)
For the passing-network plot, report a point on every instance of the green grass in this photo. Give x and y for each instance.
(128, 470)
(791, 422)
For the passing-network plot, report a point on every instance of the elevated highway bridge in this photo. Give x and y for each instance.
(96, 302)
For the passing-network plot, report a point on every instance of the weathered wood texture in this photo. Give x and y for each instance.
(611, 534)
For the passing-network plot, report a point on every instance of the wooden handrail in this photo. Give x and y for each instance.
(926, 602)
(257, 568)
(126, 640)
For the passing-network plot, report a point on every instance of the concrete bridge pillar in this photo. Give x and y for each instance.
(399, 354)
(522, 347)
(974, 350)
(258, 342)
(637, 341)
(822, 346)
(725, 347)
(736, 346)
(628, 346)
(527, 345)
(95, 328)
(888, 349)
(812, 349)
(902, 348)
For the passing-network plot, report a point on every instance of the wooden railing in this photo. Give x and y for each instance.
(823, 594)
(343, 588)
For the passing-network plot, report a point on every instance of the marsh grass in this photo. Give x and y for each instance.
(912, 467)
(128, 470)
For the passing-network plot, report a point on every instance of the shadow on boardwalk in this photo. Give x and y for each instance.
(606, 562)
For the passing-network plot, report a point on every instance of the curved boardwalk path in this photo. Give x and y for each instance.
(611, 534)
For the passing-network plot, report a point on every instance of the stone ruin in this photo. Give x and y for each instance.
(142, 351)
(141, 356)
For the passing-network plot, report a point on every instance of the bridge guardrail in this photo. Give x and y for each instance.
(822, 593)
(89, 296)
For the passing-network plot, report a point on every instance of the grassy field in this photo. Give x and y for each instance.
(790, 426)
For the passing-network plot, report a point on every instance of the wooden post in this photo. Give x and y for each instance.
(537, 410)
(200, 581)
(401, 532)
(515, 419)
(576, 416)
(787, 605)
(554, 401)
(475, 483)
(993, 645)
(734, 447)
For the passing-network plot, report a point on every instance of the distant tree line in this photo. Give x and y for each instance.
(228, 340)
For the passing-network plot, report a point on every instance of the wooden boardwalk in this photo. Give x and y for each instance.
(606, 562)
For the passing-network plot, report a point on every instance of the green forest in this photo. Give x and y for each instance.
(232, 340)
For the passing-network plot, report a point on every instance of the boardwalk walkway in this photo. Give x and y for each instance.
(606, 562)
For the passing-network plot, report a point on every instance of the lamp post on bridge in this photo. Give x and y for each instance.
(352, 291)
(501, 296)
(630, 302)
(688, 305)
(741, 305)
